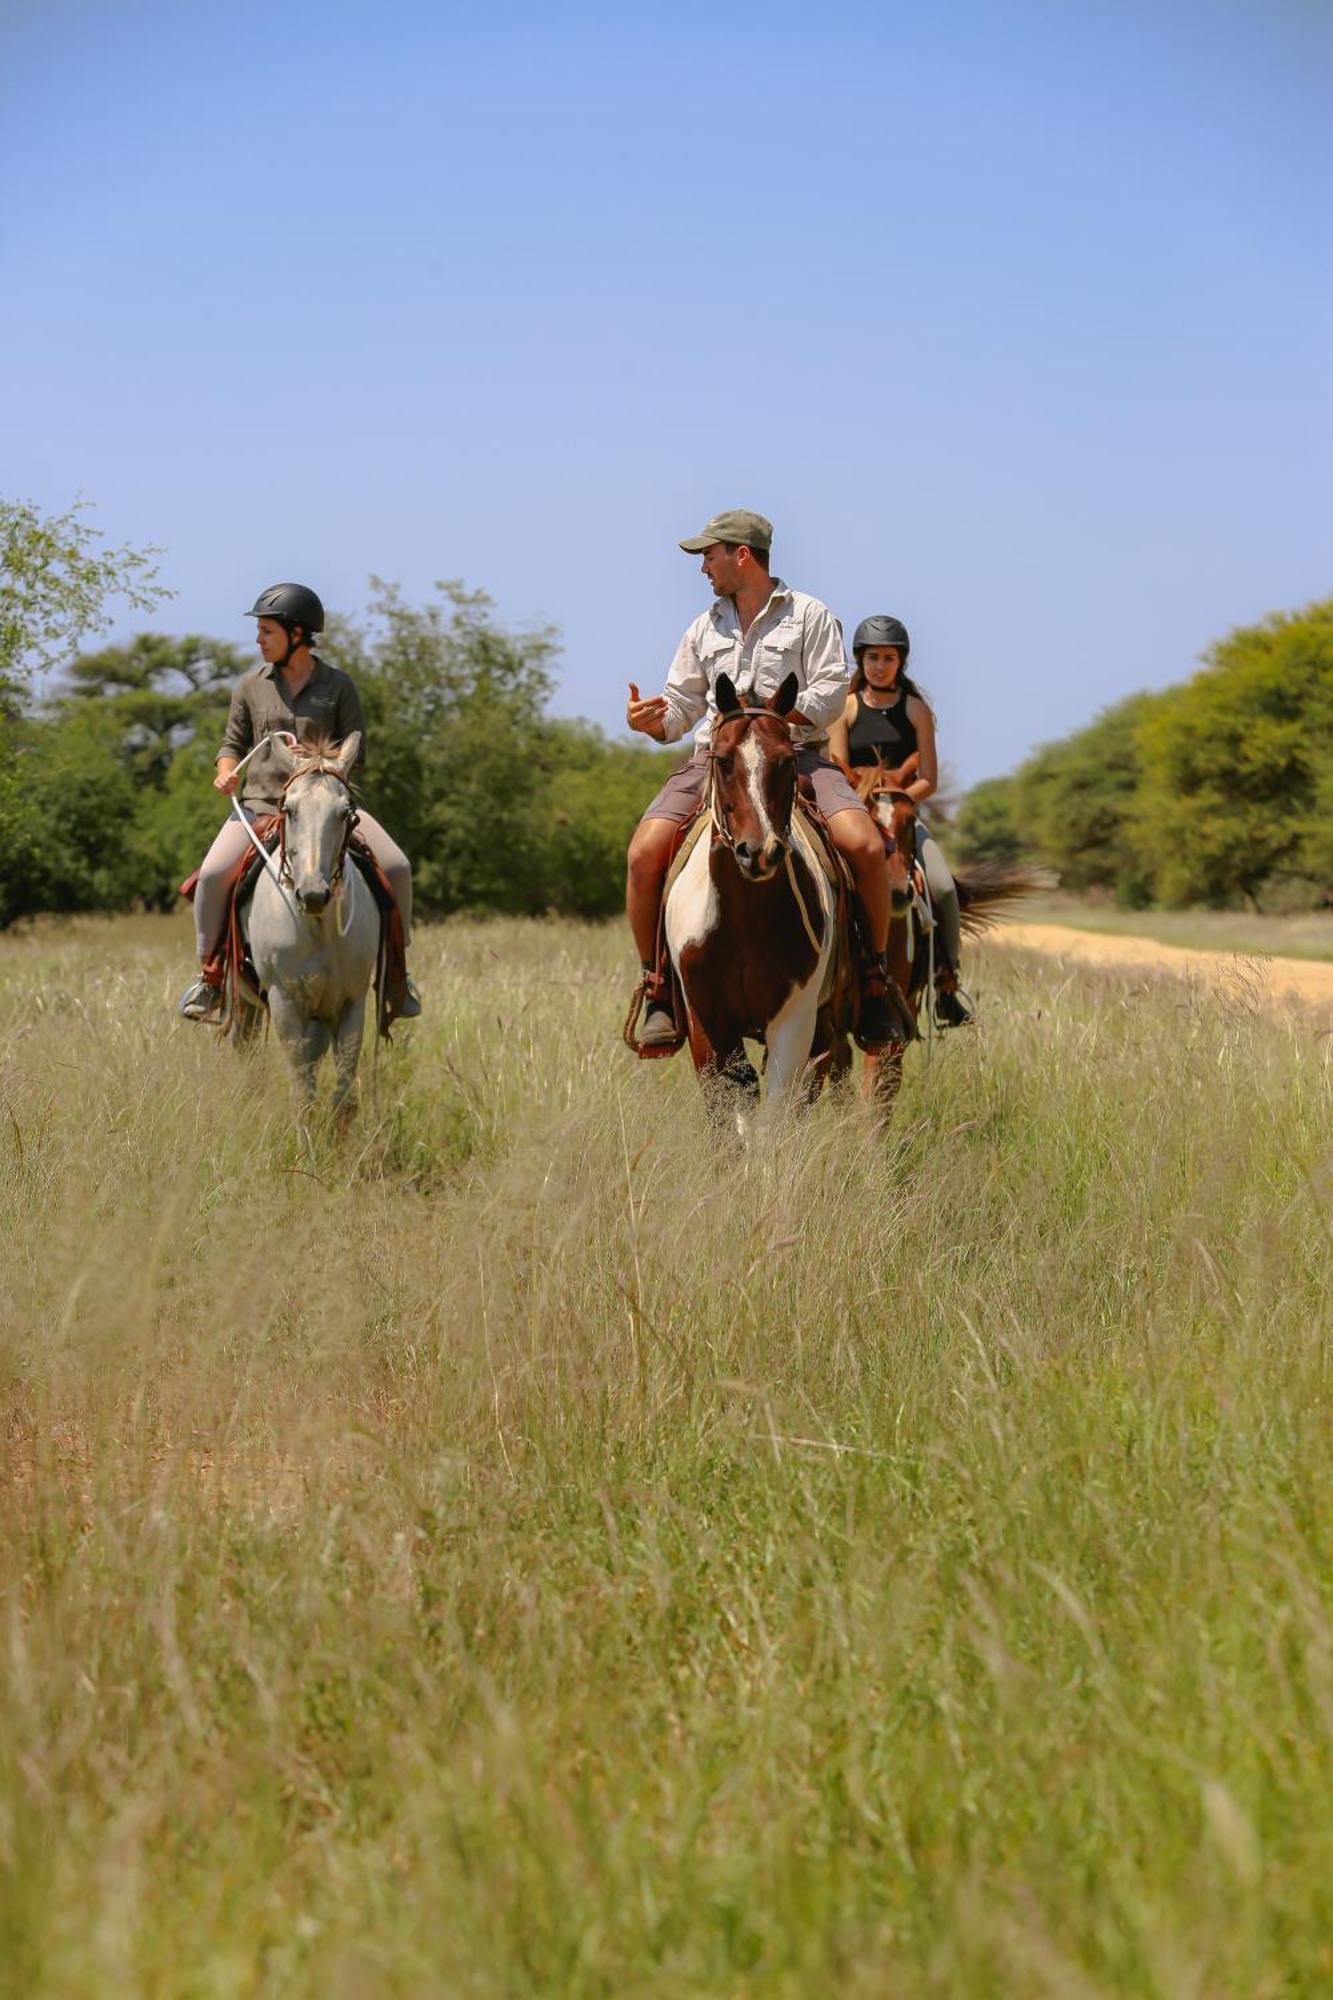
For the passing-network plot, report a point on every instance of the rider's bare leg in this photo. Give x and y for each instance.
(856, 836)
(648, 860)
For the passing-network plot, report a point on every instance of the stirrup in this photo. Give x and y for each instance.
(661, 1034)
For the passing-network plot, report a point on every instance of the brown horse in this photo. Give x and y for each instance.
(980, 894)
(751, 920)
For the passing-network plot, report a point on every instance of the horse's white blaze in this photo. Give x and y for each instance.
(691, 912)
(752, 758)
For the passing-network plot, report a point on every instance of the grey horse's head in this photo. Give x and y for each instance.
(318, 809)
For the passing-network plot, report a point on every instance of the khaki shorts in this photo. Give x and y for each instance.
(680, 796)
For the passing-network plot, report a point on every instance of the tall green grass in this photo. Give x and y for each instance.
(520, 1548)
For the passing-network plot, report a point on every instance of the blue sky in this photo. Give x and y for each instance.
(1015, 317)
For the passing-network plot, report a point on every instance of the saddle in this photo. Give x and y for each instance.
(230, 966)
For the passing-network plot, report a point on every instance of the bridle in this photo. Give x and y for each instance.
(722, 834)
(316, 770)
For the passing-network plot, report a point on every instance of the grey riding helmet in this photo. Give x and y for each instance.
(291, 604)
(881, 631)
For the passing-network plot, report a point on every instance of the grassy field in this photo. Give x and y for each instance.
(520, 1550)
(1307, 936)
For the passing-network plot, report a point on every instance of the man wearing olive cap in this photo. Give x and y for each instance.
(757, 631)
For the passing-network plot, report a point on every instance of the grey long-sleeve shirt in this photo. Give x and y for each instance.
(792, 634)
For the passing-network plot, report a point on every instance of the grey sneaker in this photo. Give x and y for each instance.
(411, 1006)
(200, 1000)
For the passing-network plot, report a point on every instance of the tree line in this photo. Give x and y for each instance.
(1217, 791)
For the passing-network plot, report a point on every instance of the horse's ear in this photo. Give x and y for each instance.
(728, 701)
(784, 701)
(348, 752)
(282, 751)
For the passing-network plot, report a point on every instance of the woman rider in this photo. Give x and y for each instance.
(887, 720)
(293, 690)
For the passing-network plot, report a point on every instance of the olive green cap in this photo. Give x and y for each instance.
(737, 525)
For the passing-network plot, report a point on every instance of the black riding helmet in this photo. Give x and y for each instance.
(291, 604)
(881, 630)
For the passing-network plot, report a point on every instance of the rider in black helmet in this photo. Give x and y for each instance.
(297, 691)
(887, 720)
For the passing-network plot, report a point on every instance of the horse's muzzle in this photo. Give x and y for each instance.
(312, 901)
(758, 863)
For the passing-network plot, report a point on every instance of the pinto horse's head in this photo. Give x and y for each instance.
(754, 777)
(318, 815)
(894, 813)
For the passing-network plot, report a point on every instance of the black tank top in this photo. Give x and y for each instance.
(881, 735)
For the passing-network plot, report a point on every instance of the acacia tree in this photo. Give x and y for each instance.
(55, 586)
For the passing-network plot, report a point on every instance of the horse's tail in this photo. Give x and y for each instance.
(992, 883)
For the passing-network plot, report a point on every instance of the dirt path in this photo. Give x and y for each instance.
(1273, 978)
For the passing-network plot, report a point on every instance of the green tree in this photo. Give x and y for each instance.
(1073, 803)
(455, 711)
(1237, 765)
(55, 587)
(585, 813)
(985, 827)
(68, 809)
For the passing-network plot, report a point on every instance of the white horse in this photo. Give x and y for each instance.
(313, 925)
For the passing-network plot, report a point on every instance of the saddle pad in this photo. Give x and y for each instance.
(689, 840)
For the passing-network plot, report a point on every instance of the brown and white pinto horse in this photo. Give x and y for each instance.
(751, 918)
(979, 895)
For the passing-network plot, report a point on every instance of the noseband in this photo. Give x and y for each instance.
(349, 824)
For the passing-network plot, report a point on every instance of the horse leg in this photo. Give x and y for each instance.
(726, 1074)
(830, 1057)
(347, 1054)
(303, 1041)
(883, 1079)
(790, 1039)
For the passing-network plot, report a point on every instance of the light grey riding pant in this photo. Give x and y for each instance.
(943, 896)
(210, 896)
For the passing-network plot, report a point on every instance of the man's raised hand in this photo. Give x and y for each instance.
(648, 717)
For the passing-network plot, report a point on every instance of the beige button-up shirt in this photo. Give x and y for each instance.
(328, 708)
(792, 634)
